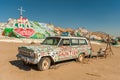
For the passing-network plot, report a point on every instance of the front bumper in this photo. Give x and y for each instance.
(27, 59)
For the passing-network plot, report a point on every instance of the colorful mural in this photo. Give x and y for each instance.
(23, 28)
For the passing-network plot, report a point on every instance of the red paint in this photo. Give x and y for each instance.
(22, 20)
(63, 53)
(27, 32)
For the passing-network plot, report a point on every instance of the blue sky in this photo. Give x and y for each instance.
(95, 15)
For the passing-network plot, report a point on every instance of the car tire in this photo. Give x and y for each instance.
(81, 58)
(44, 64)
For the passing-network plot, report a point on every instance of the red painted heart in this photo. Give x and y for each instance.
(25, 32)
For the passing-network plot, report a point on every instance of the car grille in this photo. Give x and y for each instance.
(24, 51)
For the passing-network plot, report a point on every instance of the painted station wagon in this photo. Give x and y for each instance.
(55, 49)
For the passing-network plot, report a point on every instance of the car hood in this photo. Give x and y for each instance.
(40, 48)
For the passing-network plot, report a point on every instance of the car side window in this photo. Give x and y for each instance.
(48, 41)
(65, 42)
(82, 42)
(74, 42)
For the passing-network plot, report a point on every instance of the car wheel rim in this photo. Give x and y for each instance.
(45, 64)
(81, 58)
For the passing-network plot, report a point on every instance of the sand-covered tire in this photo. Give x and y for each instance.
(44, 64)
(81, 58)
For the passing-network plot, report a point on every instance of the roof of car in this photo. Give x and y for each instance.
(66, 37)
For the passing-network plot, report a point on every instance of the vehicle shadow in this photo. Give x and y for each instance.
(22, 66)
(28, 67)
(62, 63)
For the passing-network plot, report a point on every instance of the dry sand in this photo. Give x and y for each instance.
(92, 69)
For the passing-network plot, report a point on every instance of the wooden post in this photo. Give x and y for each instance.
(90, 42)
(108, 48)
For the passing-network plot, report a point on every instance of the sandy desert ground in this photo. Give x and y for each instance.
(91, 69)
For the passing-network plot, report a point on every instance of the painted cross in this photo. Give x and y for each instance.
(21, 10)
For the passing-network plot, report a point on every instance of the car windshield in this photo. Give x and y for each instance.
(51, 41)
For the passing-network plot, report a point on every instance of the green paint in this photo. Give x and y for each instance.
(8, 31)
(38, 36)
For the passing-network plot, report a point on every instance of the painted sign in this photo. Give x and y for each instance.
(23, 28)
(27, 32)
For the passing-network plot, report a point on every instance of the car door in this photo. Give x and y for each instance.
(84, 46)
(74, 48)
(64, 50)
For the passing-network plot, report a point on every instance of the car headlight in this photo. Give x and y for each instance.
(32, 54)
(36, 55)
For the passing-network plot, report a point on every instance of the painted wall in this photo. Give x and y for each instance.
(22, 27)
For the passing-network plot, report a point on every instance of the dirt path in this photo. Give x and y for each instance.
(93, 69)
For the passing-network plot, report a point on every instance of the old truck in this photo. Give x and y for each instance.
(54, 49)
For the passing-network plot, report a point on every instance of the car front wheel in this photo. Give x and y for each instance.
(44, 64)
